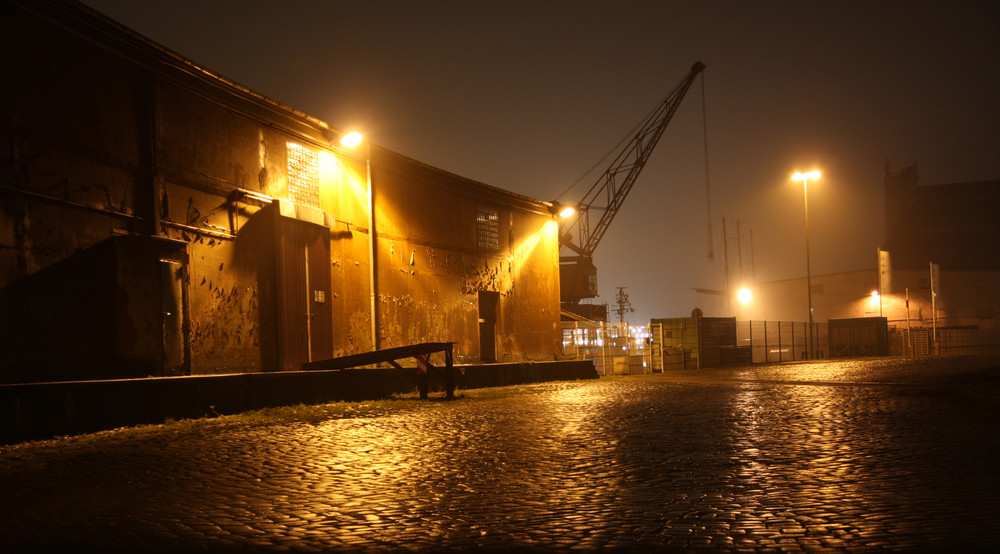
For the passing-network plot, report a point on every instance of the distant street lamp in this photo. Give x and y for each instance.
(745, 295)
(805, 177)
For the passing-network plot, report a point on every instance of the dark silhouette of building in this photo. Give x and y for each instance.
(954, 225)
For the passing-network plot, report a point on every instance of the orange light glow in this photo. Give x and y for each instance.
(745, 295)
(351, 139)
(809, 175)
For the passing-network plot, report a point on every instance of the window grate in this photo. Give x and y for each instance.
(487, 229)
(303, 175)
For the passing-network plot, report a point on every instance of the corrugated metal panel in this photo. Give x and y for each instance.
(321, 323)
(293, 338)
(859, 336)
(306, 322)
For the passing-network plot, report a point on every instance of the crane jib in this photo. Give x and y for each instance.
(617, 180)
(577, 273)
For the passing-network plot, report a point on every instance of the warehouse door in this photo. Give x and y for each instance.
(305, 326)
(174, 304)
(489, 304)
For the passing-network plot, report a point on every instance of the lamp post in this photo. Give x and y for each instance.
(351, 140)
(805, 177)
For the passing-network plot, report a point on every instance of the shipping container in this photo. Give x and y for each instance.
(858, 336)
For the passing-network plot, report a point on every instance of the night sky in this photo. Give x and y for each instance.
(526, 96)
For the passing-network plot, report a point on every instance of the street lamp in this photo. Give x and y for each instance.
(805, 177)
(350, 140)
(876, 300)
(745, 296)
(562, 211)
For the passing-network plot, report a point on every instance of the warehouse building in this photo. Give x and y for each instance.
(159, 219)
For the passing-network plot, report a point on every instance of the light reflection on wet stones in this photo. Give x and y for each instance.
(750, 459)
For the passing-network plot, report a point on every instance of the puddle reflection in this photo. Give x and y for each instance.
(589, 464)
(459, 473)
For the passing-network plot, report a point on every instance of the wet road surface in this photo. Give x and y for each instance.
(851, 456)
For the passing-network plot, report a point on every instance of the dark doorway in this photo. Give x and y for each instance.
(489, 305)
(305, 329)
(173, 278)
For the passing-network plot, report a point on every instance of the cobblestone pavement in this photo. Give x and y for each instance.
(872, 455)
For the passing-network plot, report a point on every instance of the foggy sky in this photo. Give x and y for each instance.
(527, 95)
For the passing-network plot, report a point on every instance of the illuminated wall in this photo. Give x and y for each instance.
(964, 298)
(442, 240)
(839, 295)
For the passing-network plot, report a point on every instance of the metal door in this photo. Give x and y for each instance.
(305, 328)
(489, 303)
(174, 316)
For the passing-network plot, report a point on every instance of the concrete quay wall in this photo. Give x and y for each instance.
(44, 410)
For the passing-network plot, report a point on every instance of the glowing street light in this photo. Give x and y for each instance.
(814, 174)
(875, 301)
(745, 295)
(352, 139)
(561, 211)
(805, 177)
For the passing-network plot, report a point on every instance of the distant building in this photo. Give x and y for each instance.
(953, 226)
(834, 295)
(159, 219)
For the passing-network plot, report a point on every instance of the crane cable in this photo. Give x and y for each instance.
(628, 136)
(708, 189)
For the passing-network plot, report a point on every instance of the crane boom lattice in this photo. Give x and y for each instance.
(606, 196)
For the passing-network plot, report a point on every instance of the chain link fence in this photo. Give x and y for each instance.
(920, 341)
(782, 341)
(615, 348)
(628, 349)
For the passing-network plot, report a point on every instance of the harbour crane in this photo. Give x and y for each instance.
(577, 273)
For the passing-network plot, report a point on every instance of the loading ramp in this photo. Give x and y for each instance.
(420, 352)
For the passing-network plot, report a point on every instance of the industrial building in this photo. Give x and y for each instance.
(158, 219)
(935, 281)
(951, 229)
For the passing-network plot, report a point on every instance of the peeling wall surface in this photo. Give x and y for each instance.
(434, 263)
(156, 219)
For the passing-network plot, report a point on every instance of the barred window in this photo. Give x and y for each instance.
(303, 175)
(487, 229)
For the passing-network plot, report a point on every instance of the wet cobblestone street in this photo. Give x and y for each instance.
(868, 455)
